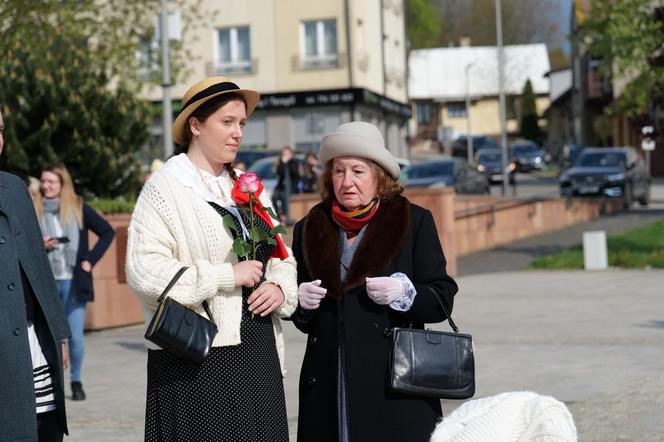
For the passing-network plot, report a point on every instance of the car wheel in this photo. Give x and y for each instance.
(645, 199)
(627, 196)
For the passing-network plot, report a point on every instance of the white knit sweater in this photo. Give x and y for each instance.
(172, 226)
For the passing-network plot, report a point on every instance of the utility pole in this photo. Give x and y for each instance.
(501, 92)
(166, 81)
(469, 137)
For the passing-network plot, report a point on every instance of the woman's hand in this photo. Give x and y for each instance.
(86, 266)
(384, 290)
(310, 294)
(49, 242)
(266, 299)
(248, 273)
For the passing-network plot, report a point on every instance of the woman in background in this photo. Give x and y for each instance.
(65, 221)
(288, 178)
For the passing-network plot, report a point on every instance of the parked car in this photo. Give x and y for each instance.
(490, 163)
(610, 172)
(480, 142)
(453, 172)
(527, 155)
(250, 156)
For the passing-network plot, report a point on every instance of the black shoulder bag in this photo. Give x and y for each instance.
(430, 363)
(179, 329)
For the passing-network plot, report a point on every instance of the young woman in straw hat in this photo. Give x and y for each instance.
(237, 393)
(368, 261)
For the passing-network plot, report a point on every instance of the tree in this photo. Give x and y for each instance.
(111, 30)
(423, 23)
(627, 36)
(58, 108)
(529, 126)
(524, 21)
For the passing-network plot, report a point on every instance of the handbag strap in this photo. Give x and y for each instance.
(447, 313)
(170, 285)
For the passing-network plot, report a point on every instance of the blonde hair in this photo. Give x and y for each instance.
(70, 202)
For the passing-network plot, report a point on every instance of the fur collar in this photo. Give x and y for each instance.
(382, 241)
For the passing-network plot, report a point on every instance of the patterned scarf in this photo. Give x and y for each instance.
(353, 221)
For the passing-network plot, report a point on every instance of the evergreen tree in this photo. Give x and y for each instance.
(58, 107)
(529, 126)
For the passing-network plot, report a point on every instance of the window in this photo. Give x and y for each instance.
(319, 44)
(234, 54)
(424, 113)
(148, 59)
(457, 110)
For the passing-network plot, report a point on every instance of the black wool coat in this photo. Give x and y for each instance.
(402, 238)
(23, 265)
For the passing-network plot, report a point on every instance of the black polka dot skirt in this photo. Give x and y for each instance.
(236, 395)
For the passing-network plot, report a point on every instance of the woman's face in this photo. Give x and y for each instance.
(219, 137)
(354, 181)
(50, 185)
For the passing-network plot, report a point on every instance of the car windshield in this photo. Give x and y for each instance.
(521, 149)
(601, 159)
(490, 156)
(264, 168)
(426, 170)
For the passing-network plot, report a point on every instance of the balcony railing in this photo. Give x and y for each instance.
(232, 68)
(328, 61)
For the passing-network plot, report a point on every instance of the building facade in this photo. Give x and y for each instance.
(316, 63)
(452, 88)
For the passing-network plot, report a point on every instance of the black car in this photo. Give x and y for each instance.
(453, 172)
(611, 172)
(527, 155)
(490, 163)
(480, 142)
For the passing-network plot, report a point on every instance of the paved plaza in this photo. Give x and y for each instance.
(594, 340)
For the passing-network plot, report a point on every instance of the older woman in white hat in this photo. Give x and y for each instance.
(367, 261)
(237, 393)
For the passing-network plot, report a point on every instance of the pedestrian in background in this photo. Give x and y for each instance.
(33, 327)
(312, 169)
(288, 179)
(65, 222)
(237, 393)
(368, 261)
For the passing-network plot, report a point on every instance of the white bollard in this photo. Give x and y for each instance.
(595, 256)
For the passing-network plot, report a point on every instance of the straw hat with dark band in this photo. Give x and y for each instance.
(202, 92)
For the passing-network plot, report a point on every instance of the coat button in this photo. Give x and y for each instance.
(313, 339)
(17, 331)
(10, 286)
(312, 380)
(2, 240)
(387, 332)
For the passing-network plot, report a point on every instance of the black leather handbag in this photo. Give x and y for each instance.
(429, 363)
(179, 329)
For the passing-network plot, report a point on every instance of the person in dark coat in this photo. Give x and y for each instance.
(288, 182)
(65, 221)
(33, 326)
(367, 260)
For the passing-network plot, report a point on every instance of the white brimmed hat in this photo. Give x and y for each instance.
(202, 92)
(359, 139)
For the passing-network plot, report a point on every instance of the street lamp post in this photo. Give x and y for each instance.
(501, 92)
(469, 137)
(166, 80)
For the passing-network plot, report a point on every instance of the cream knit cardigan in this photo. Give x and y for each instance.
(173, 227)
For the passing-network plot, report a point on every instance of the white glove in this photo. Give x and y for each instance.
(384, 290)
(310, 293)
